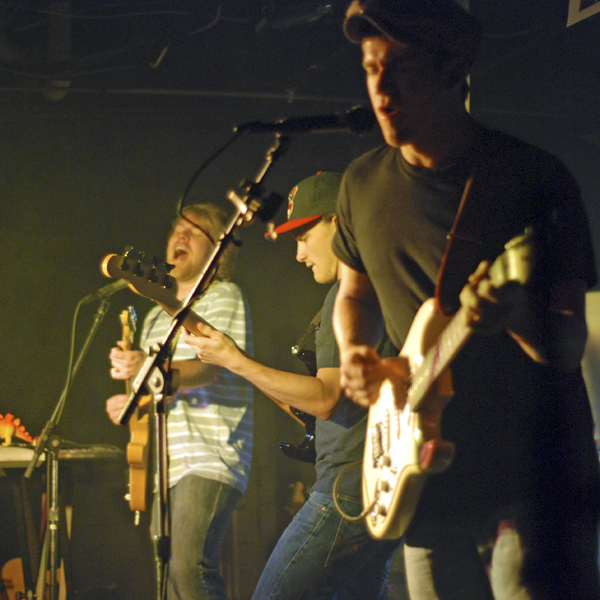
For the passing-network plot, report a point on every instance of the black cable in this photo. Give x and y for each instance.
(202, 167)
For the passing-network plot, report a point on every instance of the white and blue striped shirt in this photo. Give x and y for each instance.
(210, 427)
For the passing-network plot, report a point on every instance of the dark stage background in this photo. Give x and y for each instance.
(106, 111)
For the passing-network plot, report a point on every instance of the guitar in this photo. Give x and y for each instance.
(154, 282)
(12, 582)
(404, 446)
(138, 446)
(305, 451)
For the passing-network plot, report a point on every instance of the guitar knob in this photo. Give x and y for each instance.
(381, 510)
(385, 486)
(387, 460)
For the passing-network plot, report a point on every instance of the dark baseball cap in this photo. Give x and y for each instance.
(439, 26)
(313, 198)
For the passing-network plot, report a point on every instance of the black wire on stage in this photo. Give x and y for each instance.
(181, 203)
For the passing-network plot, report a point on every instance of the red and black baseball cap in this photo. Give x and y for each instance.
(311, 199)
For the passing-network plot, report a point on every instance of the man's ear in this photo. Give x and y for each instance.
(334, 222)
(455, 72)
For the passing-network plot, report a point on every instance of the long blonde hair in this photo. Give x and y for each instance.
(216, 219)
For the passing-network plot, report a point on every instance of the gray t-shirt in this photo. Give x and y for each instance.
(341, 439)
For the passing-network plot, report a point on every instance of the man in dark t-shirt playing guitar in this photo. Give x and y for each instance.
(320, 554)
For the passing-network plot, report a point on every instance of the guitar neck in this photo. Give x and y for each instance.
(127, 334)
(514, 264)
(437, 359)
(192, 320)
(191, 323)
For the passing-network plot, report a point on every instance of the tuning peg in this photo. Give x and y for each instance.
(130, 254)
(161, 265)
(152, 276)
(271, 234)
(139, 268)
(133, 254)
(158, 264)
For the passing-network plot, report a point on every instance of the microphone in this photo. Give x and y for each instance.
(356, 120)
(105, 291)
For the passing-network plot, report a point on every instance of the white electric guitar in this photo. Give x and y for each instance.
(404, 446)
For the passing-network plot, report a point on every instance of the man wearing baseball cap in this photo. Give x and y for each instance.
(515, 515)
(320, 554)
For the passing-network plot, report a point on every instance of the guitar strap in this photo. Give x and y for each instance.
(465, 240)
(304, 349)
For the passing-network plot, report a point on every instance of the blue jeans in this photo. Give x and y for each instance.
(322, 556)
(200, 512)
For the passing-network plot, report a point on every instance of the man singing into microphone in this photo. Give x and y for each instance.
(210, 417)
(320, 554)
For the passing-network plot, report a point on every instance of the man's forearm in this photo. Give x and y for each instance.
(356, 323)
(557, 335)
(557, 339)
(357, 318)
(194, 373)
(304, 392)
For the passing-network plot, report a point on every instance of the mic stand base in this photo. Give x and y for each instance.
(51, 555)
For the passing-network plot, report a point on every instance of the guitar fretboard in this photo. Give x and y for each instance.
(437, 359)
(512, 265)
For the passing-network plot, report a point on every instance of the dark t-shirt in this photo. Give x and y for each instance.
(520, 429)
(339, 440)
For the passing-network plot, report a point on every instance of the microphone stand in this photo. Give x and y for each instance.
(52, 445)
(54, 418)
(156, 377)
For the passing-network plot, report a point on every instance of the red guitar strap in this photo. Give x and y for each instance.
(456, 264)
(463, 251)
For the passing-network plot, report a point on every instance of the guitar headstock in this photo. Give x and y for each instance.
(517, 262)
(149, 278)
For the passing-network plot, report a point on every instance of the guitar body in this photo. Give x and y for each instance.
(137, 458)
(139, 441)
(305, 451)
(12, 582)
(403, 447)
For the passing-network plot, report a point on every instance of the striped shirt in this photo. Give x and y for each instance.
(210, 427)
